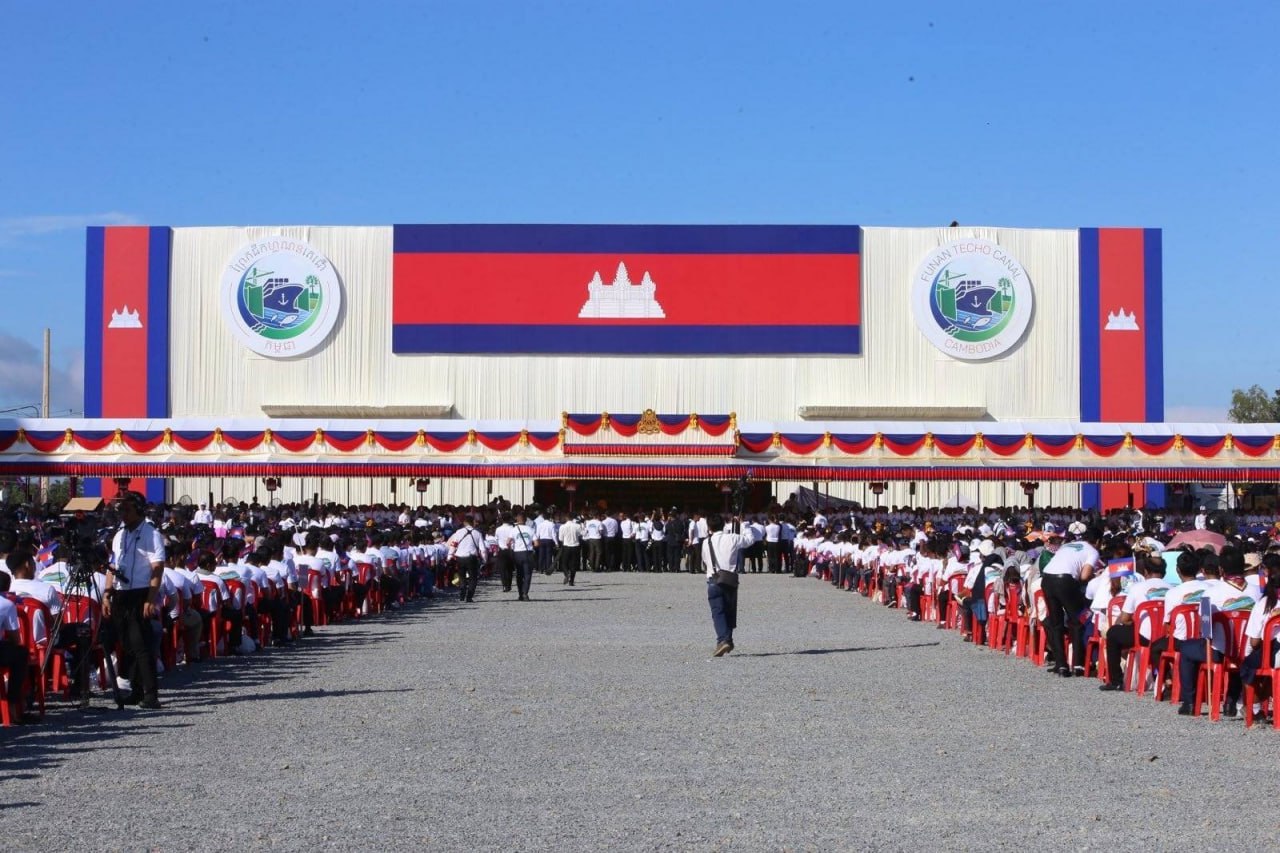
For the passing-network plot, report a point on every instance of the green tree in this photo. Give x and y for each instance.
(1254, 406)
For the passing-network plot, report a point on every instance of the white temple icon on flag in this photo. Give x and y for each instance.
(621, 297)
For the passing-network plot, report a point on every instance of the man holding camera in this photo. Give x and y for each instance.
(133, 596)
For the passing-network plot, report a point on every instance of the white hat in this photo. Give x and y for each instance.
(987, 548)
(1076, 528)
(984, 529)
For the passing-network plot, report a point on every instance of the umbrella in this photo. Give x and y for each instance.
(1197, 539)
(960, 502)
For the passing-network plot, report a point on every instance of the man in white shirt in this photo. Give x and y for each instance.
(593, 542)
(133, 597)
(505, 558)
(544, 532)
(570, 549)
(1223, 597)
(466, 545)
(1121, 636)
(720, 560)
(522, 550)
(202, 517)
(1063, 583)
(13, 655)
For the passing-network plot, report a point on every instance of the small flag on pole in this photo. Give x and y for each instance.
(1121, 568)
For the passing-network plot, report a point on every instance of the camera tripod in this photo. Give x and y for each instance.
(78, 588)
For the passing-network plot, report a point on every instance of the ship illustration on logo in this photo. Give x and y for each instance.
(622, 297)
(277, 307)
(972, 305)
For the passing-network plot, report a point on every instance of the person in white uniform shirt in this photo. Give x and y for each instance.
(570, 549)
(133, 597)
(1063, 583)
(467, 546)
(1121, 636)
(203, 516)
(544, 531)
(13, 655)
(720, 560)
(522, 549)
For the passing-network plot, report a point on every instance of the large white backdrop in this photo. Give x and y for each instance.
(214, 375)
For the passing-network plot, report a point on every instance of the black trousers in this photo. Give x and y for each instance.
(642, 556)
(1064, 599)
(134, 630)
(546, 555)
(506, 568)
(774, 551)
(524, 572)
(570, 561)
(469, 568)
(675, 550)
(1120, 640)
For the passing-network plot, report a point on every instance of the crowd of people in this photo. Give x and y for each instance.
(153, 588)
(1187, 606)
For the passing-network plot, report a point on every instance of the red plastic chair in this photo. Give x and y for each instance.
(995, 619)
(1212, 676)
(314, 593)
(1097, 642)
(954, 585)
(1268, 669)
(1038, 636)
(1138, 659)
(1012, 620)
(37, 649)
(81, 609)
(211, 603)
(1188, 617)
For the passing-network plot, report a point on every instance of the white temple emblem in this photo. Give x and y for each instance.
(621, 298)
(1121, 322)
(125, 319)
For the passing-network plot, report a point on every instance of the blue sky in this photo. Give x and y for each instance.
(1022, 114)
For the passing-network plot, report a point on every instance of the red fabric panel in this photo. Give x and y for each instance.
(192, 442)
(244, 441)
(955, 449)
(500, 442)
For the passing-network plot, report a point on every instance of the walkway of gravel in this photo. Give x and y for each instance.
(594, 717)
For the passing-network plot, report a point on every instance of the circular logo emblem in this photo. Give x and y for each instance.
(280, 297)
(971, 299)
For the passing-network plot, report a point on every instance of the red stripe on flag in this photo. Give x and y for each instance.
(730, 290)
(124, 350)
(1122, 354)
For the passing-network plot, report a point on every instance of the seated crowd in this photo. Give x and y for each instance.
(1191, 614)
(1071, 591)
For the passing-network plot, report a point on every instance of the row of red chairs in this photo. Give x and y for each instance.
(1013, 627)
(80, 609)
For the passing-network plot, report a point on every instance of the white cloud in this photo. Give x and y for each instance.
(21, 381)
(16, 227)
(1195, 414)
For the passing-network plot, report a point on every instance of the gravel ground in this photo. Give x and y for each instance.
(594, 718)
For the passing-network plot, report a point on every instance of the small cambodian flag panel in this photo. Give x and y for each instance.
(626, 289)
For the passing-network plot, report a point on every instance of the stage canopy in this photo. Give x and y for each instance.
(645, 445)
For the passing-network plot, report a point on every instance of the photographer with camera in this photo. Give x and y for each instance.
(133, 597)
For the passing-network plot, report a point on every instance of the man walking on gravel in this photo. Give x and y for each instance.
(721, 560)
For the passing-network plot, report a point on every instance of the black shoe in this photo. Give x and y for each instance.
(308, 632)
(1184, 710)
(132, 699)
(1065, 673)
(1229, 710)
(151, 703)
(1108, 687)
(470, 600)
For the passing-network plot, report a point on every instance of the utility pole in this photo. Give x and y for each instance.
(44, 413)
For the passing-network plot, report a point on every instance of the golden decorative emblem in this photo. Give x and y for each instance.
(1079, 442)
(979, 442)
(928, 440)
(118, 438)
(604, 420)
(649, 424)
(168, 435)
(524, 438)
(1229, 443)
(879, 442)
(1177, 442)
(733, 420)
(269, 436)
(826, 439)
(777, 439)
(1128, 441)
(693, 421)
(368, 437)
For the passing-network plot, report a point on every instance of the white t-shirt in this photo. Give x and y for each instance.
(1140, 592)
(1071, 559)
(134, 552)
(9, 617)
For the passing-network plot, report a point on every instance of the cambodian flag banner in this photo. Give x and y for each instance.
(626, 289)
